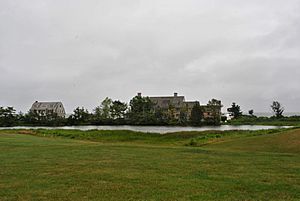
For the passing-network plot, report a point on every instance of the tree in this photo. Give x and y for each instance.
(47, 118)
(196, 115)
(251, 112)
(79, 116)
(183, 116)
(277, 109)
(171, 114)
(7, 116)
(160, 116)
(102, 113)
(97, 113)
(141, 110)
(214, 106)
(235, 110)
(118, 109)
(215, 102)
(31, 118)
(105, 108)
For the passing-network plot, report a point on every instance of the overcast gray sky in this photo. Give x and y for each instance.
(79, 51)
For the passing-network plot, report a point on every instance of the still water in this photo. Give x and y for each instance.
(157, 129)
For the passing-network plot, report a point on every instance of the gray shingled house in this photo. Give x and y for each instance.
(45, 107)
(164, 102)
(179, 103)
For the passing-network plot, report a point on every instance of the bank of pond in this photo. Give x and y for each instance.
(154, 129)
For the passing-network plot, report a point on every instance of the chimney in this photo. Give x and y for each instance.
(139, 94)
(175, 94)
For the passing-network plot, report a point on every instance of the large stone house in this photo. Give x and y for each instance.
(43, 108)
(165, 102)
(179, 104)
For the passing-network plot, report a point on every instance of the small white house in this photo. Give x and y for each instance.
(45, 107)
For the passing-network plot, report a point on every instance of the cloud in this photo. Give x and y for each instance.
(80, 52)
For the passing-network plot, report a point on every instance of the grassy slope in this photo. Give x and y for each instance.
(237, 166)
(139, 138)
(286, 142)
(285, 121)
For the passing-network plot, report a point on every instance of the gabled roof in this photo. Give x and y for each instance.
(167, 98)
(165, 101)
(45, 105)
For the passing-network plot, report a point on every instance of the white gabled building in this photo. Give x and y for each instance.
(46, 107)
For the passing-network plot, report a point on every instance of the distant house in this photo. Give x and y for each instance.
(209, 111)
(165, 102)
(189, 107)
(179, 104)
(43, 108)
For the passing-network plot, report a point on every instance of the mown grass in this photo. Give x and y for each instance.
(187, 138)
(126, 165)
(286, 142)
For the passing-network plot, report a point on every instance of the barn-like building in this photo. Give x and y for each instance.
(43, 108)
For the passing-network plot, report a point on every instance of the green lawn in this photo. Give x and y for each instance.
(124, 165)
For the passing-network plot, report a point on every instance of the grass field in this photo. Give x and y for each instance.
(125, 165)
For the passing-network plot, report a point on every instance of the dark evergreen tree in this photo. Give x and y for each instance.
(214, 107)
(8, 116)
(196, 115)
(183, 116)
(160, 116)
(251, 112)
(118, 109)
(141, 110)
(235, 110)
(277, 109)
(80, 116)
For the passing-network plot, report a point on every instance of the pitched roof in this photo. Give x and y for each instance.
(167, 98)
(45, 105)
(165, 101)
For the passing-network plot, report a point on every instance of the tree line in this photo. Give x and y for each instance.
(139, 111)
(236, 112)
(277, 119)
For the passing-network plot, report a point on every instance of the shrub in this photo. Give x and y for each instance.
(193, 142)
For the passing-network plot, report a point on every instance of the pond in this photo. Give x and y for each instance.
(157, 129)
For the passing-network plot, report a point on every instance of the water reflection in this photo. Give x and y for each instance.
(157, 129)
